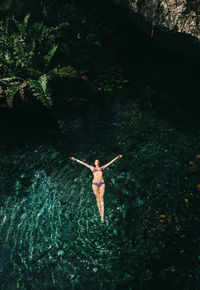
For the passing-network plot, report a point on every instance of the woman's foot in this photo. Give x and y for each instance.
(102, 219)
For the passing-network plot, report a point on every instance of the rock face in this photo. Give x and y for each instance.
(173, 23)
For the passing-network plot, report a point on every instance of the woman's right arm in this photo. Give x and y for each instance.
(81, 162)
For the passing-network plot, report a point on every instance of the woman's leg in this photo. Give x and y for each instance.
(101, 195)
(95, 189)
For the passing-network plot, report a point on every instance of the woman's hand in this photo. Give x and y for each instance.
(72, 158)
(119, 156)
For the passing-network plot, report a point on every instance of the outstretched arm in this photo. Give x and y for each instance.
(106, 165)
(81, 162)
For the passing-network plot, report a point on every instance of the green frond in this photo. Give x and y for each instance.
(33, 73)
(40, 90)
(9, 80)
(43, 81)
(48, 58)
(26, 18)
(1, 92)
(11, 90)
(66, 71)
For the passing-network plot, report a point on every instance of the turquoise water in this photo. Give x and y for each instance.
(51, 233)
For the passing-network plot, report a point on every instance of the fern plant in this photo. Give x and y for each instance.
(27, 60)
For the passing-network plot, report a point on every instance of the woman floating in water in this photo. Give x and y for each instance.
(98, 184)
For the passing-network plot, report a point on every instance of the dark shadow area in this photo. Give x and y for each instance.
(163, 81)
(32, 123)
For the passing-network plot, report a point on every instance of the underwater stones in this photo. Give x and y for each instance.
(60, 253)
(63, 200)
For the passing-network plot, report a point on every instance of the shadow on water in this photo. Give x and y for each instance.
(25, 123)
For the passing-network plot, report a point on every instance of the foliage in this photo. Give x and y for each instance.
(71, 35)
(27, 60)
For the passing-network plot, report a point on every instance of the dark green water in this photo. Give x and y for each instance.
(50, 231)
(51, 234)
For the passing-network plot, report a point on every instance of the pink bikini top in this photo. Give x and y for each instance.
(94, 170)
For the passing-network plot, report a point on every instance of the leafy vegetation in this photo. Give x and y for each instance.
(37, 60)
(27, 60)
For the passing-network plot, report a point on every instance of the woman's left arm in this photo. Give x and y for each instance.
(106, 165)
